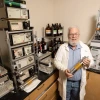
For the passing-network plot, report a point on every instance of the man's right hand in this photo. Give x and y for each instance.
(68, 74)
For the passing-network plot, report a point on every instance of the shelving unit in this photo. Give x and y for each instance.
(17, 44)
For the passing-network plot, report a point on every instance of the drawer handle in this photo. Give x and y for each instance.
(40, 87)
(44, 97)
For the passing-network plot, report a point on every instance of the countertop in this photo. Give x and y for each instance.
(21, 95)
(94, 70)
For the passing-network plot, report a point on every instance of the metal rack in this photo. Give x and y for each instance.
(17, 44)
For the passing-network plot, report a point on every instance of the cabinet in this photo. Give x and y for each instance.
(92, 86)
(47, 90)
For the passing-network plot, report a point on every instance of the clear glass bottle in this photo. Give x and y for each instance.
(77, 66)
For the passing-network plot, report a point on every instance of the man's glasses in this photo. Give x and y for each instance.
(72, 34)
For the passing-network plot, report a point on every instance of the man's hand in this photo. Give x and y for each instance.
(68, 74)
(86, 62)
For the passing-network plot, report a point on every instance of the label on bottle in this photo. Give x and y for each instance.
(59, 31)
(48, 31)
(54, 31)
(45, 47)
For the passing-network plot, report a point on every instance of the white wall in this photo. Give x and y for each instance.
(77, 12)
(68, 12)
(41, 13)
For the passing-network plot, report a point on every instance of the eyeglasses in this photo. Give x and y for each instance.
(72, 34)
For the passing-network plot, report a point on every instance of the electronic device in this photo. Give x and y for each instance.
(13, 12)
(96, 55)
(3, 74)
(22, 75)
(24, 14)
(28, 49)
(96, 37)
(20, 38)
(24, 62)
(28, 37)
(15, 25)
(17, 13)
(18, 52)
(6, 85)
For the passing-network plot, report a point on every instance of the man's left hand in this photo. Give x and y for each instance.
(86, 62)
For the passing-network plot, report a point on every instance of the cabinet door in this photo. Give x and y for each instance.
(93, 86)
(55, 96)
(27, 98)
(48, 95)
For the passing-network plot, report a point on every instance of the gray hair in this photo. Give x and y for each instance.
(73, 27)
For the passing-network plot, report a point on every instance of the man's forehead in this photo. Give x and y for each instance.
(74, 29)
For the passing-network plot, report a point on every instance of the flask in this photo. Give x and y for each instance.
(77, 66)
(48, 30)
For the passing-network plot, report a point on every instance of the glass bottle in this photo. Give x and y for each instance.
(50, 46)
(48, 30)
(54, 30)
(77, 66)
(59, 42)
(44, 46)
(60, 30)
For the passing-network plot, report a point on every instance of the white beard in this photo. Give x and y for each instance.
(73, 43)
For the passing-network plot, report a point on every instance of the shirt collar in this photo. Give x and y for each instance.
(78, 46)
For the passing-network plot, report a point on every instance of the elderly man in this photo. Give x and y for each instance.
(72, 87)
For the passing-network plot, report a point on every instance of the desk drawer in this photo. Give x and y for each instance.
(55, 96)
(48, 95)
(43, 86)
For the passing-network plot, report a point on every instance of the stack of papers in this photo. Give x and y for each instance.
(32, 86)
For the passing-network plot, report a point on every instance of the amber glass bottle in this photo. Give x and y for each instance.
(48, 30)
